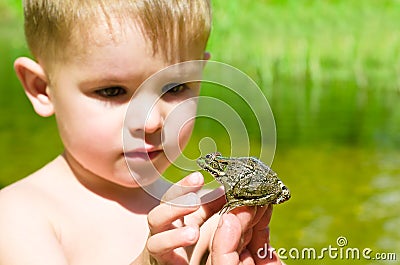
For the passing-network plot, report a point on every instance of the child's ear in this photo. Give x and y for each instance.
(35, 83)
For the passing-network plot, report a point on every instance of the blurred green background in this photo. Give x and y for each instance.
(331, 72)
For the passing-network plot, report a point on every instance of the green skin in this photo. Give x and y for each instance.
(247, 181)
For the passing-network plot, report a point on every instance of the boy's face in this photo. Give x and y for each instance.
(91, 96)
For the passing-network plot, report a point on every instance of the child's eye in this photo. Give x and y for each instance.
(174, 88)
(111, 92)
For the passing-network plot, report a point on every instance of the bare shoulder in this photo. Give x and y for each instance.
(32, 191)
(19, 207)
(25, 227)
(25, 192)
(31, 199)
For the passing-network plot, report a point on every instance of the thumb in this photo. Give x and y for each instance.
(224, 251)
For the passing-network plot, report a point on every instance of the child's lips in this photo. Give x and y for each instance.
(143, 154)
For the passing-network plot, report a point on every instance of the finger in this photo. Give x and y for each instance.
(245, 239)
(212, 202)
(223, 251)
(161, 243)
(260, 222)
(265, 219)
(245, 215)
(260, 241)
(265, 254)
(250, 217)
(260, 211)
(161, 217)
(246, 258)
(190, 183)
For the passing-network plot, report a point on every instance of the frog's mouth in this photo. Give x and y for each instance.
(215, 173)
(212, 172)
(205, 165)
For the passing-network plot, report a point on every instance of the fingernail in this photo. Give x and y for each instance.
(192, 199)
(195, 178)
(188, 200)
(191, 233)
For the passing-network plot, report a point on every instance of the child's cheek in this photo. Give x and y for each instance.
(178, 127)
(91, 135)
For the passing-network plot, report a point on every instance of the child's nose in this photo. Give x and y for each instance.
(143, 119)
(154, 121)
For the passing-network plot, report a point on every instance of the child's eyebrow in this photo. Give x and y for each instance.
(93, 83)
(109, 79)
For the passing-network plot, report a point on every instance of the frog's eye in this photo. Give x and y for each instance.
(208, 156)
(214, 165)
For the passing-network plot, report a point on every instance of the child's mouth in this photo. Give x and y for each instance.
(142, 154)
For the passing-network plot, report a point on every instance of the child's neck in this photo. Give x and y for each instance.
(135, 199)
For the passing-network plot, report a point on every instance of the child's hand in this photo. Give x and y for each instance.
(174, 228)
(246, 229)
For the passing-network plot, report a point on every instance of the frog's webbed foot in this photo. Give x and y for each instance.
(229, 206)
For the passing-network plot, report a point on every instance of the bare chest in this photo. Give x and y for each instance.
(103, 235)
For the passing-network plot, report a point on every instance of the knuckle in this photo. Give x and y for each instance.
(152, 221)
(151, 248)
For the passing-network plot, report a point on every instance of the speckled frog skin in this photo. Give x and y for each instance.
(247, 180)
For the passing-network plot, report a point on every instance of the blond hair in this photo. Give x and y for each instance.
(54, 28)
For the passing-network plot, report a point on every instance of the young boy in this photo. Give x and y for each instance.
(84, 207)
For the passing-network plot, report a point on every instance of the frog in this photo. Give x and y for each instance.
(247, 181)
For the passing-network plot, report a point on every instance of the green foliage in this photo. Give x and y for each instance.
(10, 8)
(328, 68)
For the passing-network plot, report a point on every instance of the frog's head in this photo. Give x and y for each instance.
(213, 163)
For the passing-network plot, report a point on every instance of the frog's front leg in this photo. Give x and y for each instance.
(249, 202)
(229, 198)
